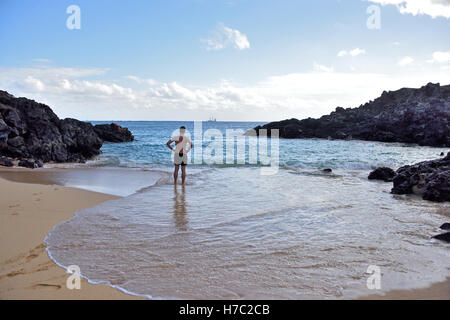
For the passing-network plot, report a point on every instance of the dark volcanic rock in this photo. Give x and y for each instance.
(113, 133)
(382, 173)
(81, 140)
(6, 162)
(438, 186)
(4, 133)
(435, 175)
(33, 133)
(407, 115)
(445, 226)
(16, 142)
(30, 163)
(443, 236)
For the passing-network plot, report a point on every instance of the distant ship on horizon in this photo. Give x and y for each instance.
(212, 119)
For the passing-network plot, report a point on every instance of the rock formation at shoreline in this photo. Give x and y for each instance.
(113, 133)
(382, 173)
(407, 115)
(429, 179)
(31, 133)
(436, 174)
(443, 236)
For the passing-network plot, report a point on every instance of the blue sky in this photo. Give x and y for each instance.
(236, 60)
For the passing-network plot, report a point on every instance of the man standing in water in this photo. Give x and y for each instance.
(180, 156)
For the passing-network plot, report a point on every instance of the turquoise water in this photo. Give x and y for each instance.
(235, 233)
(149, 149)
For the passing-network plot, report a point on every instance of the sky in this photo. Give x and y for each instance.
(235, 60)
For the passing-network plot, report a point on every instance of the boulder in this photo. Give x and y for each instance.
(113, 133)
(443, 236)
(382, 173)
(6, 162)
(445, 226)
(438, 187)
(30, 163)
(436, 176)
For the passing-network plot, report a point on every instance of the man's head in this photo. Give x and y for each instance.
(182, 130)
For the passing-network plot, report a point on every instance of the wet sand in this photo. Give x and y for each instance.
(437, 291)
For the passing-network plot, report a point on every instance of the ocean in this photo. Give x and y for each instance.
(236, 231)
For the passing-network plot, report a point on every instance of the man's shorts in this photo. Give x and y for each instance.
(180, 159)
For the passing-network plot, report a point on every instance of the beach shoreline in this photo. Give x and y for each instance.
(436, 291)
(28, 211)
(31, 207)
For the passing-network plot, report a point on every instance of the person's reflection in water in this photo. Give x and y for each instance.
(179, 209)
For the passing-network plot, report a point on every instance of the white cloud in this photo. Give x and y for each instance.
(322, 68)
(77, 93)
(405, 61)
(34, 83)
(440, 57)
(224, 36)
(432, 8)
(141, 80)
(355, 52)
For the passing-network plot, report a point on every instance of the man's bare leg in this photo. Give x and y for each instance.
(175, 174)
(183, 174)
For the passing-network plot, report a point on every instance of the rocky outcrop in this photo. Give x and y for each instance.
(435, 176)
(445, 226)
(407, 115)
(429, 179)
(33, 134)
(6, 162)
(443, 236)
(382, 173)
(30, 163)
(113, 133)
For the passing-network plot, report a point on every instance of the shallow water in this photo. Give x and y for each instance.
(234, 233)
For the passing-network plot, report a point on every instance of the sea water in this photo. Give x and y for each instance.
(233, 233)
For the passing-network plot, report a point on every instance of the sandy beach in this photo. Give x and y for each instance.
(30, 209)
(27, 213)
(437, 291)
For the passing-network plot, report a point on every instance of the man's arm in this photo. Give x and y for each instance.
(190, 142)
(168, 144)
